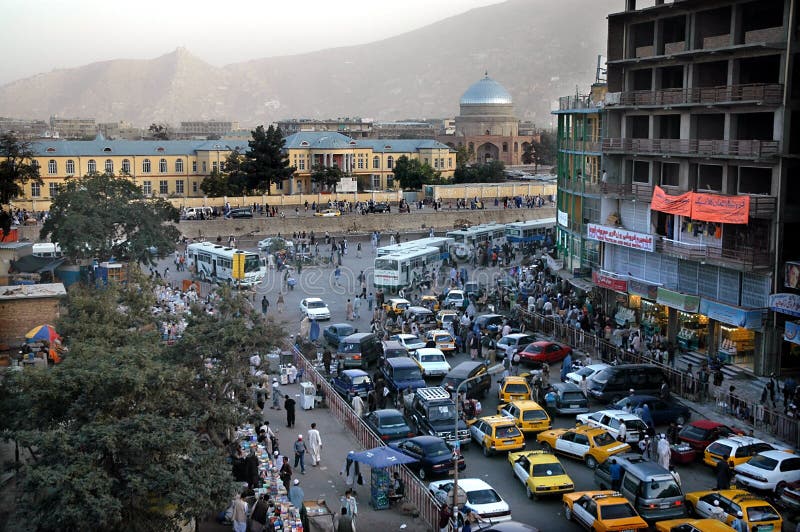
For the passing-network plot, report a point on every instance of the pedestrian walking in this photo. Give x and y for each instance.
(349, 310)
(358, 405)
(337, 274)
(296, 494)
(239, 516)
(663, 452)
(280, 303)
(615, 472)
(445, 514)
(358, 250)
(314, 444)
(356, 307)
(345, 523)
(351, 504)
(350, 470)
(300, 454)
(289, 405)
(370, 301)
(276, 394)
(258, 516)
(327, 357)
(286, 473)
(264, 305)
(723, 471)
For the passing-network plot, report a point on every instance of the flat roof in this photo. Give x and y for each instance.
(32, 291)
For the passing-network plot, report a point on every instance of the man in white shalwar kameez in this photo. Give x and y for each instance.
(663, 452)
(314, 444)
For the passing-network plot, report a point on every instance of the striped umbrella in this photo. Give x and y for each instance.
(42, 332)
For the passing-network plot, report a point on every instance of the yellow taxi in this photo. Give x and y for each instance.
(495, 434)
(328, 212)
(541, 473)
(757, 513)
(529, 416)
(602, 511)
(737, 450)
(593, 445)
(692, 525)
(445, 316)
(443, 339)
(513, 389)
(430, 302)
(396, 306)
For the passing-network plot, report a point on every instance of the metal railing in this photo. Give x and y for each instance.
(416, 492)
(580, 101)
(759, 93)
(766, 417)
(747, 258)
(753, 149)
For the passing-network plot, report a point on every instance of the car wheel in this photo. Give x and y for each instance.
(528, 492)
(680, 420)
(486, 451)
(568, 513)
(546, 447)
(689, 509)
(591, 462)
(779, 488)
(422, 473)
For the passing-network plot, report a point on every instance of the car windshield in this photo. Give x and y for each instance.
(315, 304)
(572, 396)
(344, 331)
(392, 421)
(762, 513)
(516, 388)
(507, 431)
(720, 449)
(533, 348)
(661, 489)
(690, 432)
(547, 470)
(392, 353)
(487, 496)
(442, 412)
(438, 448)
(412, 340)
(386, 264)
(601, 377)
(361, 379)
(763, 462)
(534, 415)
(617, 511)
(407, 374)
(585, 372)
(402, 306)
(604, 438)
(252, 263)
(443, 338)
(432, 358)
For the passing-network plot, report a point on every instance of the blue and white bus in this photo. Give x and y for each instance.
(531, 231)
(466, 241)
(406, 268)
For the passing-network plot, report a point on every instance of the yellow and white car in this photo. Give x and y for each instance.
(541, 473)
(514, 389)
(443, 339)
(328, 212)
(737, 450)
(757, 513)
(528, 415)
(602, 511)
(590, 444)
(692, 525)
(496, 434)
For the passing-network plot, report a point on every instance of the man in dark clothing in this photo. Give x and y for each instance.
(251, 469)
(259, 514)
(326, 361)
(444, 517)
(289, 404)
(286, 473)
(345, 522)
(264, 305)
(723, 475)
(615, 471)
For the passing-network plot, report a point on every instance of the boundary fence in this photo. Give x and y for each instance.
(767, 417)
(416, 492)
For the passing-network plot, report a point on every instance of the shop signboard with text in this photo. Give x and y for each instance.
(791, 333)
(736, 316)
(677, 300)
(607, 281)
(563, 219)
(785, 304)
(621, 237)
(717, 208)
(642, 289)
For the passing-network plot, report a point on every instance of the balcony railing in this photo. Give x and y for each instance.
(751, 149)
(760, 93)
(584, 101)
(744, 258)
(762, 206)
(580, 145)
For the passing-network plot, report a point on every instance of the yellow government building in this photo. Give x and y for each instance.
(176, 168)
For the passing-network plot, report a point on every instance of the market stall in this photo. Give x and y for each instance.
(379, 459)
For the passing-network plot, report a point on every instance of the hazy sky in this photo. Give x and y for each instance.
(42, 35)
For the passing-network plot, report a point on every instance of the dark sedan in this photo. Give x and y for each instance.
(703, 432)
(388, 424)
(434, 456)
(569, 399)
(240, 213)
(352, 382)
(538, 353)
(663, 412)
(336, 332)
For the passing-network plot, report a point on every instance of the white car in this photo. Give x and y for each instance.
(455, 299)
(409, 341)
(768, 471)
(315, 308)
(513, 344)
(266, 244)
(431, 362)
(575, 377)
(635, 428)
(480, 497)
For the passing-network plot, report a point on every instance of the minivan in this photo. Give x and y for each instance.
(650, 488)
(393, 349)
(359, 350)
(615, 382)
(198, 213)
(402, 374)
(424, 317)
(467, 370)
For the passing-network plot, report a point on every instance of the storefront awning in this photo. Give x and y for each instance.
(738, 317)
(582, 284)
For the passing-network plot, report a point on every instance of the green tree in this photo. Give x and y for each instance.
(216, 185)
(115, 427)
(16, 168)
(159, 131)
(100, 216)
(267, 162)
(236, 171)
(528, 154)
(491, 172)
(326, 176)
(545, 148)
(463, 156)
(412, 174)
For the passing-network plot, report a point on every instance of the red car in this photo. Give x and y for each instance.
(703, 432)
(539, 352)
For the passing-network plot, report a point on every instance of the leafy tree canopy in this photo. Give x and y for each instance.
(327, 176)
(16, 169)
(412, 174)
(545, 149)
(103, 216)
(491, 172)
(159, 131)
(266, 161)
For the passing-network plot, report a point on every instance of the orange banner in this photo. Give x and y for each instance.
(663, 202)
(720, 209)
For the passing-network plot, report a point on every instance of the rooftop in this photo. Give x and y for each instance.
(486, 91)
(32, 291)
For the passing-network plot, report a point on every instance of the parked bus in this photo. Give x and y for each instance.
(530, 232)
(442, 243)
(406, 268)
(219, 264)
(465, 241)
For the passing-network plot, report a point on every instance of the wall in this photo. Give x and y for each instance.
(19, 316)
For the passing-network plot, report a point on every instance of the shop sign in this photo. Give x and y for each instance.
(607, 281)
(704, 207)
(679, 205)
(621, 237)
(791, 332)
(785, 304)
(791, 275)
(645, 290)
(738, 317)
(677, 300)
(563, 219)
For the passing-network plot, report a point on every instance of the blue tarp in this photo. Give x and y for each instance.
(381, 457)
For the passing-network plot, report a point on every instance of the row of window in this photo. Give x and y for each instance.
(376, 163)
(147, 188)
(108, 167)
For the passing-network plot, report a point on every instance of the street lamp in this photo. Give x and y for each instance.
(494, 370)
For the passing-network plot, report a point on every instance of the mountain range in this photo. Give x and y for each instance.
(537, 49)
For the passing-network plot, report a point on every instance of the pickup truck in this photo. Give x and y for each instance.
(431, 411)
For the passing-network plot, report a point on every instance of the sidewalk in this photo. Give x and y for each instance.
(324, 482)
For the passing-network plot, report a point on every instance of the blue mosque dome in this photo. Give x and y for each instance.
(486, 91)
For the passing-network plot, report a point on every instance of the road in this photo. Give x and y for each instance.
(546, 514)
